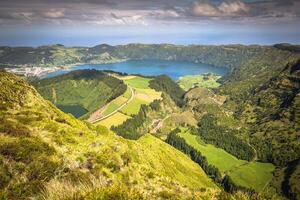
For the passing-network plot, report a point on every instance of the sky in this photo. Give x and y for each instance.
(92, 22)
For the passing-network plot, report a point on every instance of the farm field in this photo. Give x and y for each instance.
(254, 175)
(143, 94)
(203, 80)
(116, 119)
(138, 82)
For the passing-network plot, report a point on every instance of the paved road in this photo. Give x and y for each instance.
(118, 109)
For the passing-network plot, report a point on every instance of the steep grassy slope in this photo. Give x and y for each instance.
(89, 89)
(46, 153)
(268, 103)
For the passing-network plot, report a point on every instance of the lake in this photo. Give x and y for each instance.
(174, 69)
(76, 110)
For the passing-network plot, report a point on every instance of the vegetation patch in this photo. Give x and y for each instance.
(133, 107)
(114, 120)
(138, 82)
(206, 80)
(90, 89)
(253, 175)
(165, 84)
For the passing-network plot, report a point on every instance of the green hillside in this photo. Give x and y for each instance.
(80, 92)
(254, 175)
(203, 80)
(268, 104)
(47, 154)
(230, 56)
(240, 122)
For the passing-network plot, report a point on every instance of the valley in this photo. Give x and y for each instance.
(175, 131)
(240, 171)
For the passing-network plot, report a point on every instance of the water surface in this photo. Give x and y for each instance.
(76, 110)
(174, 69)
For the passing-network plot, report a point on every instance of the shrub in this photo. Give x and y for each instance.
(102, 130)
(5, 175)
(114, 192)
(42, 168)
(25, 189)
(25, 149)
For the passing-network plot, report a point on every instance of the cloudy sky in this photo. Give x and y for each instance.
(90, 22)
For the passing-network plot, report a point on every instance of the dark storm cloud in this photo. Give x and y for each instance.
(144, 11)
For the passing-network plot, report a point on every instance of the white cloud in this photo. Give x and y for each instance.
(113, 19)
(207, 9)
(233, 8)
(53, 14)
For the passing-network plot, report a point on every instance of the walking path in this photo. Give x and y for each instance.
(118, 109)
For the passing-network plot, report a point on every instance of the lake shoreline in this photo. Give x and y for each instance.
(173, 69)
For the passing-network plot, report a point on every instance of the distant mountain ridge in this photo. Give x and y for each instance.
(230, 56)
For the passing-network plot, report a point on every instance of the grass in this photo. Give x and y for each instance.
(115, 104)
(148, 94)
(171, 162)
(138, 82)
(143, 95)
(127, 94)
(212, 153)
(133, 107)
(116, 119)
(95, 157)
(203, 80)
(254, 175)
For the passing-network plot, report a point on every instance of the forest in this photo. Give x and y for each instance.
(224, 138)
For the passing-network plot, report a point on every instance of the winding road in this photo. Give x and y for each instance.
(118, 109)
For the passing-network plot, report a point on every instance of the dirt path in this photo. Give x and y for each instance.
(157, 124)
(115, 111)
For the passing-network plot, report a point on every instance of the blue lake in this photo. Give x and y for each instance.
(174, 69)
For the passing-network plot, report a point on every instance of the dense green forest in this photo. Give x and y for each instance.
(165, 84)
(129, 129)
(224, 138)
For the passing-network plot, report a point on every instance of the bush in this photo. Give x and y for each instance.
(102, 130)
(5, 175)
(25, 189)
(114, 192)
(42, 168)
(25, 149)
(77, 176)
